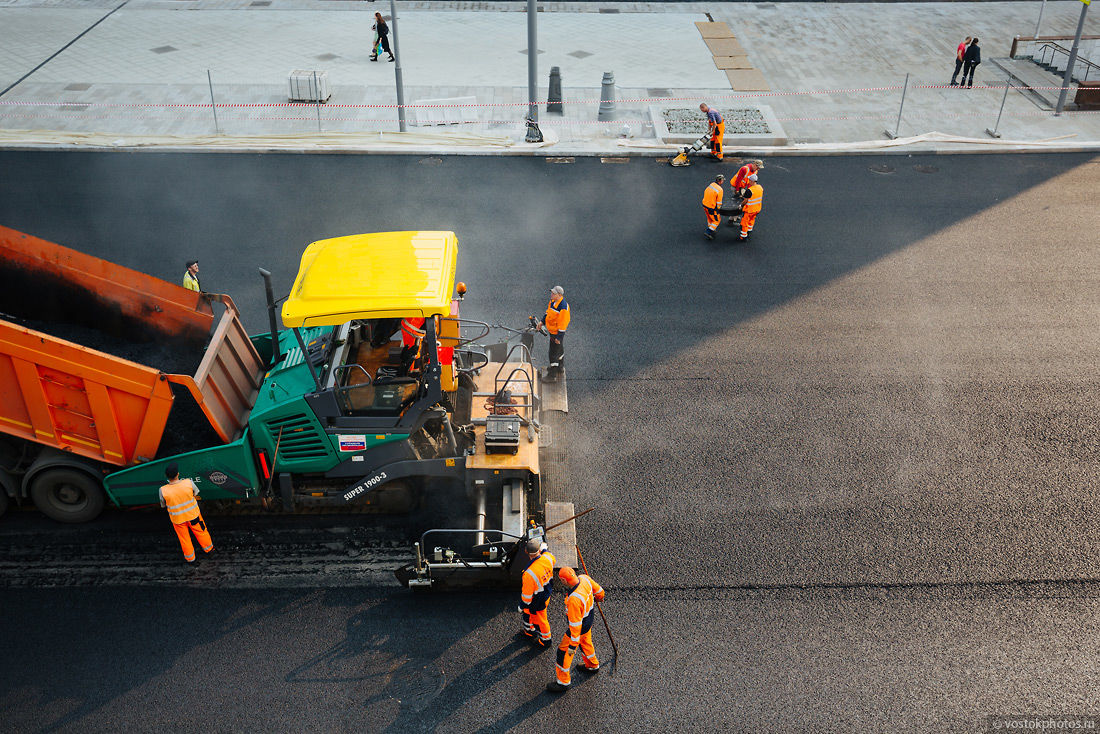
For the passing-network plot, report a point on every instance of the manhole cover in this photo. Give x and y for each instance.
(926, 169)
(415, 686)
(882, 169)
(430, 161)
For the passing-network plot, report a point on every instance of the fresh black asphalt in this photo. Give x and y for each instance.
(844, 473)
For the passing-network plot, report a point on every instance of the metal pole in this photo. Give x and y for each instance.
(1068, 76)
(993, 133)
(1040, 21)
(532, 60)
(213, 107)
(317, 92)
(897, 127)
(397, 71)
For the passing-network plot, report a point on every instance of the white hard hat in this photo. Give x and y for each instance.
(558, 290)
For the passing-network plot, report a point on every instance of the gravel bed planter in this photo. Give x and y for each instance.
(745, 126)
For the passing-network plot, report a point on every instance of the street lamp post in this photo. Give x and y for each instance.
(397, 71)
(1068, 76)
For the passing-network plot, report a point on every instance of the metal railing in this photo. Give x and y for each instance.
(1054, 49)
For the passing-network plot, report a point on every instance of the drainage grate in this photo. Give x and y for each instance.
(884, 169)
(561, 160)
(765, 6)
(78, 87)
(658, 92)
(164, 49)
(260, 4)
(72, 107)
(524, 51)
(609, 11)
(579, 54)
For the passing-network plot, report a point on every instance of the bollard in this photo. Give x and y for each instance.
(553, 97)
(607, 97)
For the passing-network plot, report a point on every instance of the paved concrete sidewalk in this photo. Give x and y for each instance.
(835, 70)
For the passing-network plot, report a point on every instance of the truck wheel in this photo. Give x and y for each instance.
(67, 495)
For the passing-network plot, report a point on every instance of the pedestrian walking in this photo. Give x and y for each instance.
(556, 321)
(581, 595)
(716, 129)
(382, 37)
(960, 52)
(180, 497)
(712, 204)
(191, 276)
(971, 59)
(535, 592)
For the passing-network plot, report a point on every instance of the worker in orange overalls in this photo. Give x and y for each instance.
(180, 497)
(712, 204)
(535, 592)
(582, 593)
(556, 322)
(754, 201)
(745, 177)
(716, 128)
(412, 336)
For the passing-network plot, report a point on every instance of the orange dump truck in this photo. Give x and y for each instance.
(70, 413)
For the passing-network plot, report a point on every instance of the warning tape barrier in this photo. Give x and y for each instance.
(624, 101)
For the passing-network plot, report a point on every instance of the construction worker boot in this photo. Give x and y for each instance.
(556, 687)
(586, 669)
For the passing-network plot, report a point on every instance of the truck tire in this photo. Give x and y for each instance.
(67, 495)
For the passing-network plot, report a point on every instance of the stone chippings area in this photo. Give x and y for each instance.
(688, 121)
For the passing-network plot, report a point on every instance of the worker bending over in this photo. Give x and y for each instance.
(556, 322)
(716, 128)
(180, 497)
(535, 593)
(582, 593)
(712, 204)
(753, 201)
(745, 177)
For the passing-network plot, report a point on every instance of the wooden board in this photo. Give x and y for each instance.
(747, 80)
(725, 47)
(562, 541)
(732, 62)
(713, 30)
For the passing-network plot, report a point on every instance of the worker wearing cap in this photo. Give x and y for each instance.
(191, 276)
(535, 592)
(753, 197)
(716, 128)
(180, 497)
(712, 204)
(581, 596)
(556, 322)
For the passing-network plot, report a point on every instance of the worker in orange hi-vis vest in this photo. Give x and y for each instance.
(556, 322)
(754, 202)
(712, 204)
(412, 337)
(180, 497)
(535, 592)
(581, 596)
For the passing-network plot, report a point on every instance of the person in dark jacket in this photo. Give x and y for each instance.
(383, 32)
(971, 59)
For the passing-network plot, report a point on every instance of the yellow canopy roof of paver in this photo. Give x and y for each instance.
(371, 276)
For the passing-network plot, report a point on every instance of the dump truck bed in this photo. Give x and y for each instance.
(93, 403)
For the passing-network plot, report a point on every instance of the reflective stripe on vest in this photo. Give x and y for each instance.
(712, 197)
(179, 499)
(583, 597)
(756, 200)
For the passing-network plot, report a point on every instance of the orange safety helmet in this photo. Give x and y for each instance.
(568, 576)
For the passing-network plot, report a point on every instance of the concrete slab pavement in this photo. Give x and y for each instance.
(835, 70)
